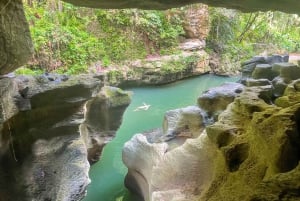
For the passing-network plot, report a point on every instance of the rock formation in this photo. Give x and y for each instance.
(43, 153)
(162, 70)
(250, 153)
(15, 41)
(196, 21)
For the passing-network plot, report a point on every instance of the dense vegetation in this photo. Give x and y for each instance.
(69, 39)
(237, 36)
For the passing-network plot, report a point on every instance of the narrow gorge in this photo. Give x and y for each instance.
(241, 140)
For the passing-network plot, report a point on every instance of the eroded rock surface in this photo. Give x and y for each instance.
(215, 100)
(43, 146)
(15, 41)
(250, 153)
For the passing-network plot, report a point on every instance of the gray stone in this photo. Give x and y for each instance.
(215, 100)
(15, 41)
(289, 71)
(257, 82)
(279, 86)
(263, 71)
(45, 131)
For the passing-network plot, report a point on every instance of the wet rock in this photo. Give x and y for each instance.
(263, 71)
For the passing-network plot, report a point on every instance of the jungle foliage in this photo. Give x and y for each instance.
(69, 39)
(238, 36)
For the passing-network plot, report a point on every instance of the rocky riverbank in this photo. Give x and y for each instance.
(51, 127)
(240, 143)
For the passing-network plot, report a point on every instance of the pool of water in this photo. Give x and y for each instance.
(108, 174)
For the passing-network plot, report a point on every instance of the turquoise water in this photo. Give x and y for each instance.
(108, 174)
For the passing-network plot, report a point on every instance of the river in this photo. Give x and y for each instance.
(108, 174)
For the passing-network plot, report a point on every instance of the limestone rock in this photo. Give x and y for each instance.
(279, 86)
(250, 153)
(287, 71)
(156, 174)
(48, 167)
(192, 44)
(249, 66)
(255, 149)
(250, 82)
(103, 117)
(196, 22)
(215, 100)
(45, 133)
(164, 69)
(15, 41)
(263, 71)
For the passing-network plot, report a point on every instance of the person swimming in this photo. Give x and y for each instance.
(143, 107)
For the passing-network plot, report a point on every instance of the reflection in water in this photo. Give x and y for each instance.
(108, 174)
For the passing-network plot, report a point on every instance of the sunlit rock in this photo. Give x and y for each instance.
(156, 174)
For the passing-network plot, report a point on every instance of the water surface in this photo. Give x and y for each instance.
(108, 174)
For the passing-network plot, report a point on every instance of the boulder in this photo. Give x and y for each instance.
(287, 71)
(215, 100)
(184, 122)
(262, 71)
(157, 174)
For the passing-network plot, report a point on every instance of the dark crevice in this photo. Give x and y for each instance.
(236, 155)
(290, 151)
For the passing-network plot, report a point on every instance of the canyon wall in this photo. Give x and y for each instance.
(243, 146)
(52, 127)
